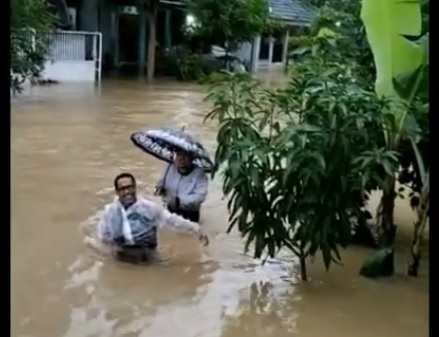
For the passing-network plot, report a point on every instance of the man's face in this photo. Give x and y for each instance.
(182, 159)
(126, 190)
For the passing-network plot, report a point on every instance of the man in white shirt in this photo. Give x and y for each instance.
(129, 224)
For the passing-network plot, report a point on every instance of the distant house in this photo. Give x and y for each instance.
(126, 42)
(98, 34)
(267, 52)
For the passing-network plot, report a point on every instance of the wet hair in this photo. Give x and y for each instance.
(124, 175)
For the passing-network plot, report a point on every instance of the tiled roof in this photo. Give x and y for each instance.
(290, 11)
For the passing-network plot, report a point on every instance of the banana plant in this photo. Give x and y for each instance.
(422, 212)
(399, 41)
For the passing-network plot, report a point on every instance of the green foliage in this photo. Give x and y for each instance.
(388, 23)
(191, 67)
(229, 22)
(294, 160)
(298, 163)
(31, 21)
(399, 41)
(414, 87)
(349, 42)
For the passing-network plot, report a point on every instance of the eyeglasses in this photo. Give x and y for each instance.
(125, 188)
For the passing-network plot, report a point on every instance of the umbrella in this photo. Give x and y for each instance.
(163, 142)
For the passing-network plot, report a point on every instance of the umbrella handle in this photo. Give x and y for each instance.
(159, 191)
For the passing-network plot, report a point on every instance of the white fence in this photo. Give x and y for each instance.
(74, 56)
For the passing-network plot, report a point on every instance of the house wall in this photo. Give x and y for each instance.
(249, 52)
(95, 16)
(244, 52)
(258, 63)
(69, 71)
(88, 16)
(105, 23)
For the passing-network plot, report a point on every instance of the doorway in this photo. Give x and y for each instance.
(128, 38)
(278, 46)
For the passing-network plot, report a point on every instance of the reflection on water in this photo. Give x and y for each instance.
(68, 143)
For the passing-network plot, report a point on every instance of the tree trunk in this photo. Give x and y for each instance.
(420, 224)
(386, 229)
(381, 263)
(303, 273)
(152, 20)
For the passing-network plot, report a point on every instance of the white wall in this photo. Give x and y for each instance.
(244, 52)
(70, 71)
(249, 52)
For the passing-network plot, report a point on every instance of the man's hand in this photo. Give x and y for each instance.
(174, 203)
(204, 239)
(159, 191)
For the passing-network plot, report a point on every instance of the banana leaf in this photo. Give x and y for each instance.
(391, 27)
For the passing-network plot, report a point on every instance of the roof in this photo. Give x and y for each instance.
(292, 12)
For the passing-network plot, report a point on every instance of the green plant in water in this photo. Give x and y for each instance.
(293, 160)
(398, 35)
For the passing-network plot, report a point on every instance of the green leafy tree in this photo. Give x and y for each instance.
(294, 160)
(31, 21)
(229, 22)
(343, 18)
(405, 126)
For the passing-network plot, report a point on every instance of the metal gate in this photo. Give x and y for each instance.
(74, 56)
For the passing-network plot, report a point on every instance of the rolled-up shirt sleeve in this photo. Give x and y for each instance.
(166, 219)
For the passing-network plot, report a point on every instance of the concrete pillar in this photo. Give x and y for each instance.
(285, 49)
(88, 21)
(270, 51)
(142, 42)
(88, 16)
(106, 27)
(168, 31)
(115, 36)
(255, 56)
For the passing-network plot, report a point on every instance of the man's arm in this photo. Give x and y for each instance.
(164, 218)
(104, 229)
(176, 222)
(195, 198)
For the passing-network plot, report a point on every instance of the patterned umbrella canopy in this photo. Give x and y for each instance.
(163, 142)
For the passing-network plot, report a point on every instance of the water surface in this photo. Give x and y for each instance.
(68, 144)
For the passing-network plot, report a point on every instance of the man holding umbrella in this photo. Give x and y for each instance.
(183, 187)
(183, 184)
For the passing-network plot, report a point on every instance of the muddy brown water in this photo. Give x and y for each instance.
(68, 143)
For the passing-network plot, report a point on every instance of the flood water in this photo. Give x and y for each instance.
(68, 144)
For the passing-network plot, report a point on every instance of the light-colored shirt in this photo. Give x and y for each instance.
(191, 189)
(144, 217)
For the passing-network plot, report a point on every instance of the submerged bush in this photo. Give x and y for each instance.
(295, 160)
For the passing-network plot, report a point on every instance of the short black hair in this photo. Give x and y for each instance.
(124, 175)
